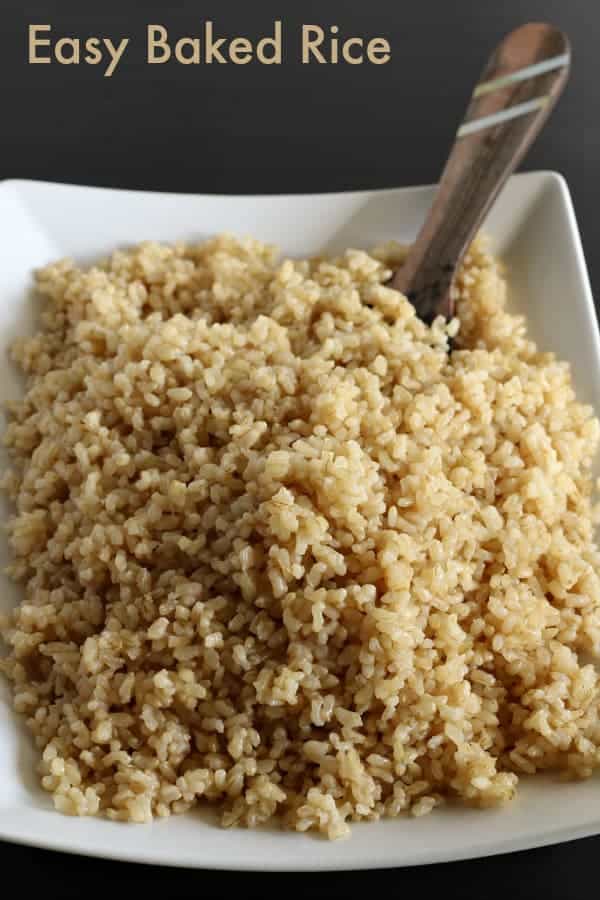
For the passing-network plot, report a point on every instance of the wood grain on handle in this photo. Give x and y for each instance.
(516, 92)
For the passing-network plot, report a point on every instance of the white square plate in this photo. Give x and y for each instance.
(533, 228)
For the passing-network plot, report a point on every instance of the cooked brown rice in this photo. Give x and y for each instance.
(284, 554)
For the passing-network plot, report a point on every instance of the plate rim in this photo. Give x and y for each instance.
(531, 174)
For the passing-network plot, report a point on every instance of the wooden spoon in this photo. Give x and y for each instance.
(517, 90)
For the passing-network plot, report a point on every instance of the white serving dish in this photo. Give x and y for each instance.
(533, 228)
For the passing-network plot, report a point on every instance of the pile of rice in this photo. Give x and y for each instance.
(282, 553)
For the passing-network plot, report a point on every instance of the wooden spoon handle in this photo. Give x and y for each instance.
(517, 90)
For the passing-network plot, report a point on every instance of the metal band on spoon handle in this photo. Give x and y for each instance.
(517, 91)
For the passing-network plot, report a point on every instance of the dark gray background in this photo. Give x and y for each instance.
(248, 129)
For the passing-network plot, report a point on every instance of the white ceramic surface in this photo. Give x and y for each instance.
(533, 227)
